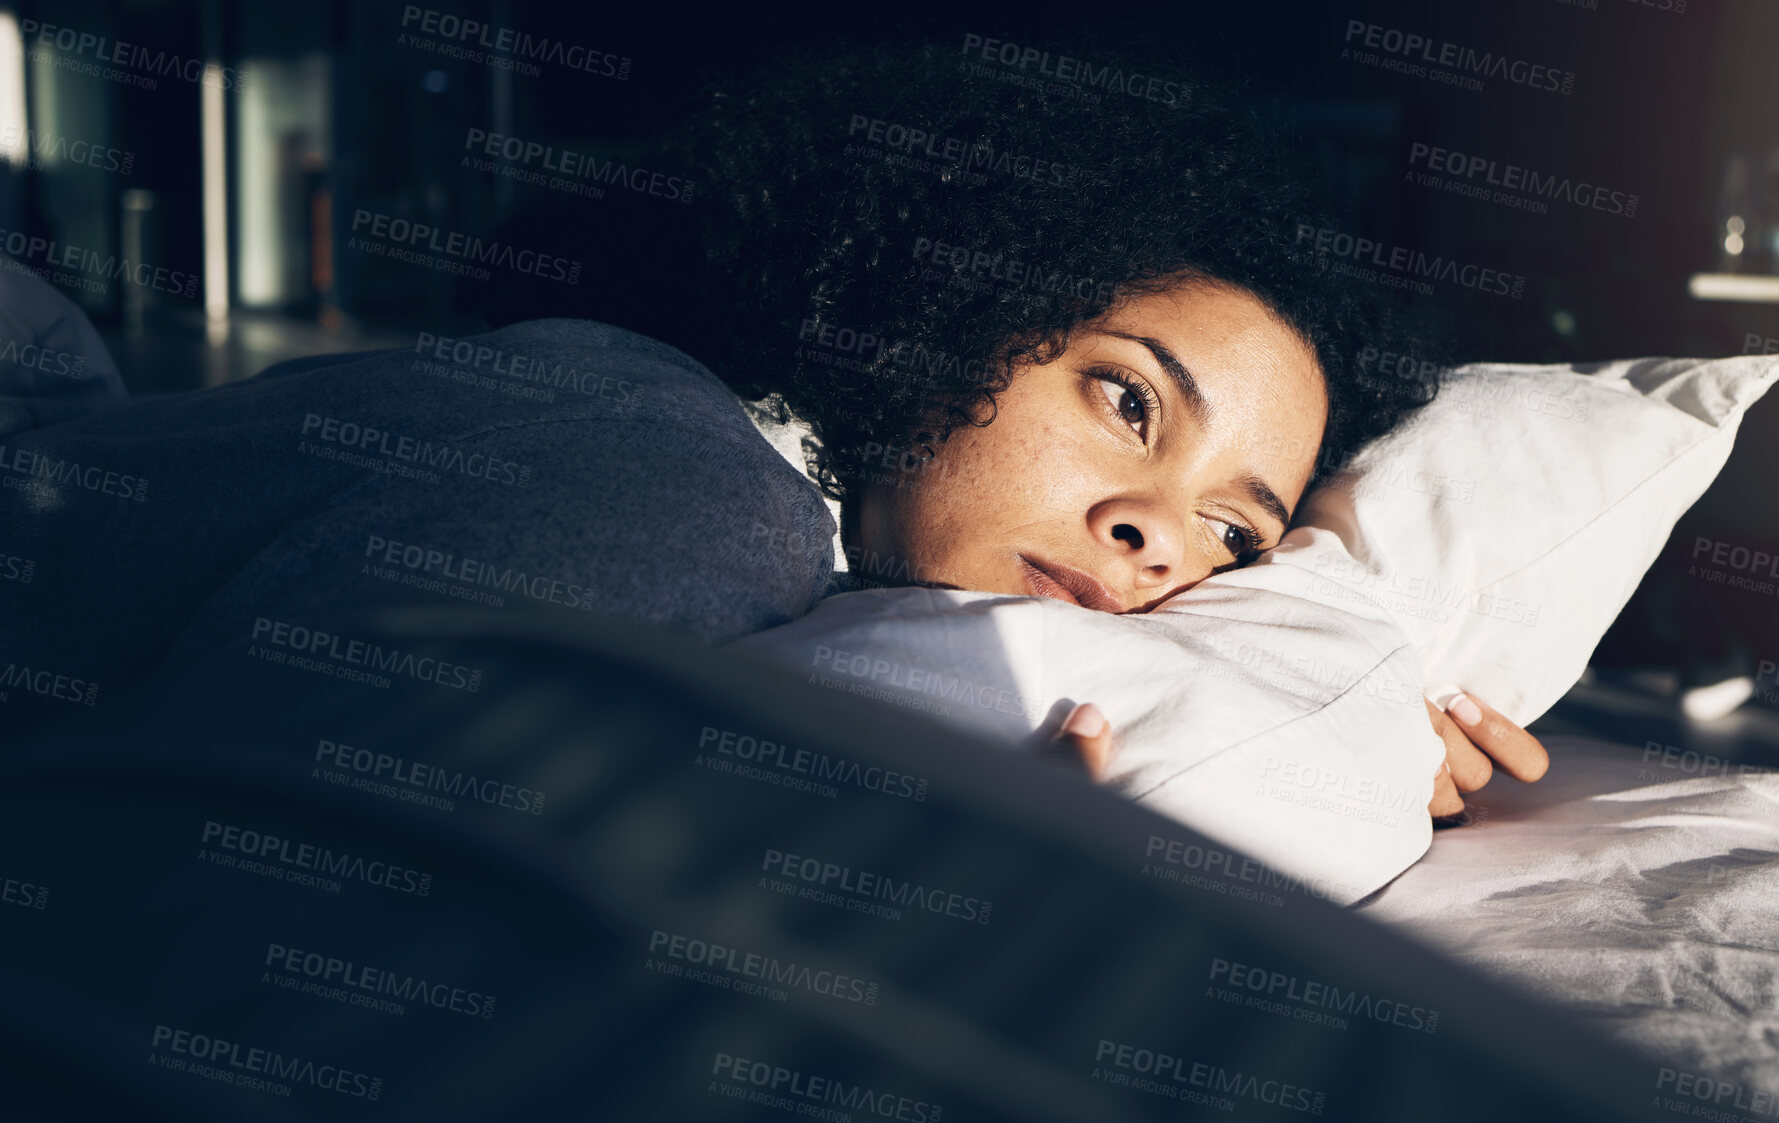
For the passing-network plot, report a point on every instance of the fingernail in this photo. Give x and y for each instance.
(1085, 721)
(1464, 710)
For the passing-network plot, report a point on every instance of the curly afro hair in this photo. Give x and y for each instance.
(888, 232)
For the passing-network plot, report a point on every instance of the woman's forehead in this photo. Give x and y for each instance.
(1215, 318)
(1239, 352)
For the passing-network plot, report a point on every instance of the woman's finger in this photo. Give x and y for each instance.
(1468, 767)
(1087, 735)
(1519, 754)
(1446, 800)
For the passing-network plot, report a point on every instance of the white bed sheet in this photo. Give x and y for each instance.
(1637, 895)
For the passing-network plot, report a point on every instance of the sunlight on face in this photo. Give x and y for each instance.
(1170, 441)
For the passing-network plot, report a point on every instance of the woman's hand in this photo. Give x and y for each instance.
(1475, 736)
(1475, 741)
(1085, 739)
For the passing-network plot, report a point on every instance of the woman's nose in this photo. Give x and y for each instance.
(1147, 536)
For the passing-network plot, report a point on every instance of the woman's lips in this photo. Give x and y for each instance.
(1059, 582)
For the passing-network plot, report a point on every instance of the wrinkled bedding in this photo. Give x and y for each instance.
(1638, 894)
(1249, 708)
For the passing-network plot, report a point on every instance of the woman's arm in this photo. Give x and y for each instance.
(1474, 734)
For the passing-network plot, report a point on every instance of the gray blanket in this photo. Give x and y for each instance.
(1635, 886)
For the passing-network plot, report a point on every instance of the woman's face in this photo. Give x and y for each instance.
(1170, 441)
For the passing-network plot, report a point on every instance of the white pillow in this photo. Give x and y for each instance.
(1505, 525)
(1256, 708)
(1486, 545)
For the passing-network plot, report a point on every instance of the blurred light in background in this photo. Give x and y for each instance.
(282, 126)
(138, 214)
(216, 206)
(15, 144)
(1719, 699)
(77, 208)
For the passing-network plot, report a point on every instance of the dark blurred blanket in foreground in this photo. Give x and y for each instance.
(634, 878)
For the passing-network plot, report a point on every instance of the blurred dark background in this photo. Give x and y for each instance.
(235, 142)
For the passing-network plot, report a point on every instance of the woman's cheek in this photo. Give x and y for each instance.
(1048, 494)
(1055, 472)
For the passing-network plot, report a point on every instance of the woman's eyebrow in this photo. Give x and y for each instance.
(1176, 370)
(1255, 488)
(1268, 499)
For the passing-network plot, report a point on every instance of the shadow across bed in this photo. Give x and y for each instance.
(262, 892)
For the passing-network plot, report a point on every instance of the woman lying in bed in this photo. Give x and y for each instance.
(1046, 347)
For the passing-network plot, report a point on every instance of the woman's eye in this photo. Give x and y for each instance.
(1125, 402)
(1236, 539)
